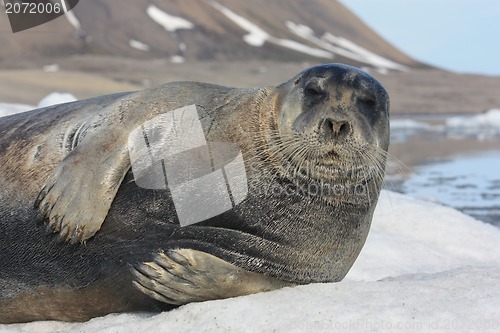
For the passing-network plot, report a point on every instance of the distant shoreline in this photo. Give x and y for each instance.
(416, 92)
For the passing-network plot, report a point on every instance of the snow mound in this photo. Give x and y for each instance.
(482, 126)
(177, 59)
(460, 300)
(408, 124)
(52, 68)
(413, 236)
(425, 267)
(489, 119)
(403, 129)
(168, 22)
(7, 109)
(324, 308)
(56, 98)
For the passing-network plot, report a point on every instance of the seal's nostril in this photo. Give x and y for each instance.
(338, 128)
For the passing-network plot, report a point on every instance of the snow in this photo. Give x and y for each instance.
(296, 46)
(413, 302)
(257, 36)
(52, 68)
(168, 22)
(328, 44)
(408, 124)
(490, 118)
(177, 59)
(7, 109)
(413, 236)
(424, 267)
(368, 57)
(138, 45)
(56, 98)
(343, 47)
(482, 126)
(73, 20)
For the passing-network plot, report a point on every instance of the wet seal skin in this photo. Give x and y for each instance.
(312, 151)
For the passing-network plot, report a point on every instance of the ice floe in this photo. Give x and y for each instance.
(424, 267)
(409, 124)
(482, 126)
(490, 118)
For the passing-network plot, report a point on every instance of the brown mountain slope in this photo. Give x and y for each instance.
(110, 26)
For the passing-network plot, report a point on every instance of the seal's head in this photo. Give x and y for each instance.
(331, 125)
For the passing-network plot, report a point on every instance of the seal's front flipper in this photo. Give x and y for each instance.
(182, 276)
(78, 194)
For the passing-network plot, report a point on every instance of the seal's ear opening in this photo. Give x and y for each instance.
(297, 79)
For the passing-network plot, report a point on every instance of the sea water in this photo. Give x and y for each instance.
(470, 183)
(467, 180)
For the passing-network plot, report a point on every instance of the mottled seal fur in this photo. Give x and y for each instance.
(314, 152)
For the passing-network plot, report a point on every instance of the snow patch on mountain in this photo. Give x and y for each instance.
(75, 22)
(343, 47)
(257, 36)
(71, 17)
(366, 56)
(177, 59)
(138, 45)
(168, 22)
(329, 44)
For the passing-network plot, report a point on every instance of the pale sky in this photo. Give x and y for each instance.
(458, 35)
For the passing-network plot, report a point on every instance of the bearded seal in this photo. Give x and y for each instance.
(302, 185)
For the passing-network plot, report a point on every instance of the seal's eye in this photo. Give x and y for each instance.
(368, 101)
(313, 89)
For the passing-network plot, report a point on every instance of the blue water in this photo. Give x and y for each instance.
(470, 183)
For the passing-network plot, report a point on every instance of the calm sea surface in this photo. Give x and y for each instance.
(454, 162)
